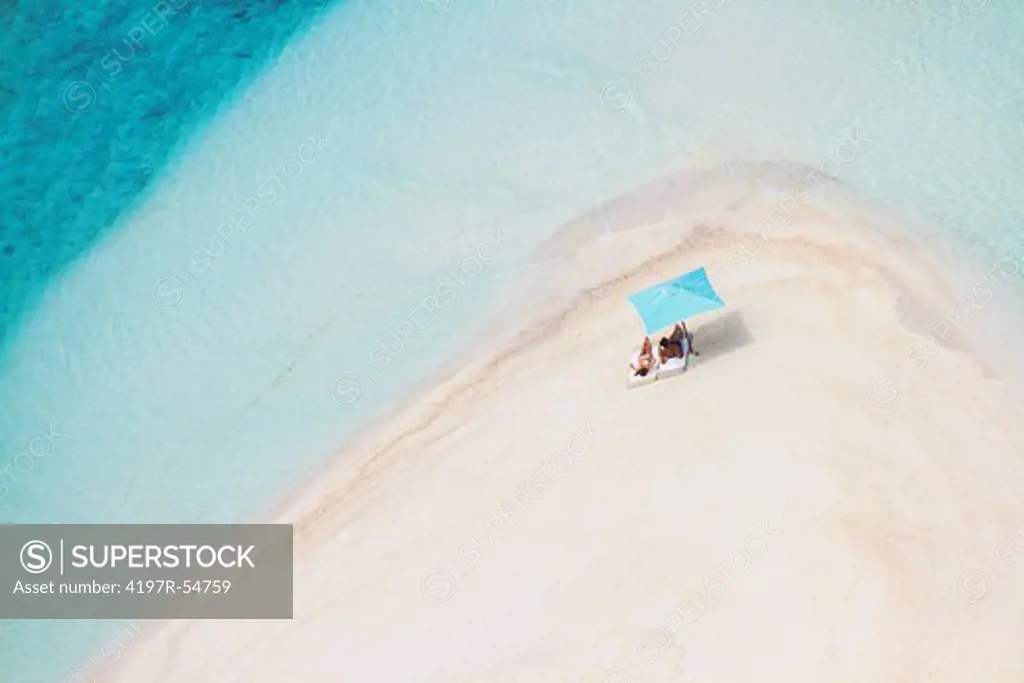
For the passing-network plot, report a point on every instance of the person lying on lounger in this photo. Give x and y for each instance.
(643, 362)
(667, 348)
(683, 337)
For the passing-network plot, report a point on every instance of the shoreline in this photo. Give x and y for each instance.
(662, 246)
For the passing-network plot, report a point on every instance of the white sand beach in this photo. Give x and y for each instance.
(811, 501)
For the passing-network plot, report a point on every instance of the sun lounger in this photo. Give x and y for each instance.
(670, 368)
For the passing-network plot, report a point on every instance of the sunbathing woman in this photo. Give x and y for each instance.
(644, 360)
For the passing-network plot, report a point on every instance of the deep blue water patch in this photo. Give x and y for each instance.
(95, 97)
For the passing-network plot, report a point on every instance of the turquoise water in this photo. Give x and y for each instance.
(188, 371)
(95, 100)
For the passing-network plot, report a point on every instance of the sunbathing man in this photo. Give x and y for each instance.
(668, 348)
(644, 361)
(680, 333)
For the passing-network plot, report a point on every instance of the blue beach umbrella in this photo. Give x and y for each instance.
(677, 299)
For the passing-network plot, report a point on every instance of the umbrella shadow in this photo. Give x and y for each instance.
(721, 336)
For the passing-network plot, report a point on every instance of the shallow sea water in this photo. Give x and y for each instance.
(196, 375)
